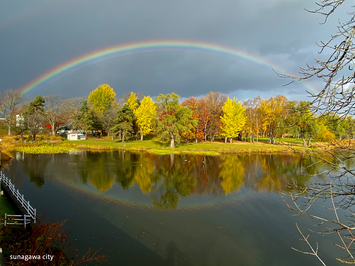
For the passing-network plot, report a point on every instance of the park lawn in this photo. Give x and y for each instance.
(160, 147)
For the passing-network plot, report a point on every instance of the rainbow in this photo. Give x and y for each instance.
(146, 46)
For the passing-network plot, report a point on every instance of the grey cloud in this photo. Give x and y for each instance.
(52, 33)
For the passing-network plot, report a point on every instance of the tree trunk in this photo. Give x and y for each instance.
(231, 140)
(172, 141)
(9, 129)
(142, 137)
(304, 142)
(172, 156)
(53, 131)
(123, 137)
(225, 140)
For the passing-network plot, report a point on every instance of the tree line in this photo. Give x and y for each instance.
(212, 116)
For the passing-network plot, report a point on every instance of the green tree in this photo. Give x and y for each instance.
(108, 118)
(84, 119)
(301, 120)
(233, 119)
(34, 116)
(102, 98)
(124, 121)
(145, 114)
(174, 119)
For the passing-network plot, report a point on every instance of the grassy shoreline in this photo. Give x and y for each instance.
(150, 146)
(203, 148)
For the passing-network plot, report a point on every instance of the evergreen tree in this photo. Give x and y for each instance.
(124, 122)
(84, 119)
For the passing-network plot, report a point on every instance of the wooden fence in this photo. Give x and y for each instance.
(17, 219)
(31, 212)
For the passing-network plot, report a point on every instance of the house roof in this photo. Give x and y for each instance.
(74, 132)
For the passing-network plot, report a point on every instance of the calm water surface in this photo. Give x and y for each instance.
(143, 209)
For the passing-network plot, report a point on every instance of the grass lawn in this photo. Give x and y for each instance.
(5, 207)
(160, 147)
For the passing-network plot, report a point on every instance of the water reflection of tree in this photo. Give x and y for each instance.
(232, 174)
(93, 169)
(34, 166)
(168, 179)
(125, 166)
(144, 173)
(207, 171)
(176, 182)
(277, 173)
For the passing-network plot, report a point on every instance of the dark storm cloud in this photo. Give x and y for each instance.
(43, 35)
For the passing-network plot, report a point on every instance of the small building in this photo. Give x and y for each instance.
(19, 120)
(75, 135)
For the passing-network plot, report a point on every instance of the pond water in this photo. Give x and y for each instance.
(144, 209)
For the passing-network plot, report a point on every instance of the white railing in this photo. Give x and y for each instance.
(31, 212)
(17, 219)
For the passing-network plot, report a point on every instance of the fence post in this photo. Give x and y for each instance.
(5, 219)
(35, 216)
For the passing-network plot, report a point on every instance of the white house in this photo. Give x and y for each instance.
(19, 120)
(75, 135)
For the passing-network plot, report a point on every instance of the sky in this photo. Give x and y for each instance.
(189, 47)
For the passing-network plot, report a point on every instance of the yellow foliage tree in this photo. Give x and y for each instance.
(132, 101)
(102, 98)
(145, 114)
(272, 112)
(233, 119)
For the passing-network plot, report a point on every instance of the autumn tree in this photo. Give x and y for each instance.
(54, 111)
(192, 133)
(174, 119)
(9, 100)
(273, 113)
(203, 119)
(102, 98)
(253, 123)
(214, 102)
(139, 97)
(132, 101)
(233, 119)
(144, 114)
(72, 108)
